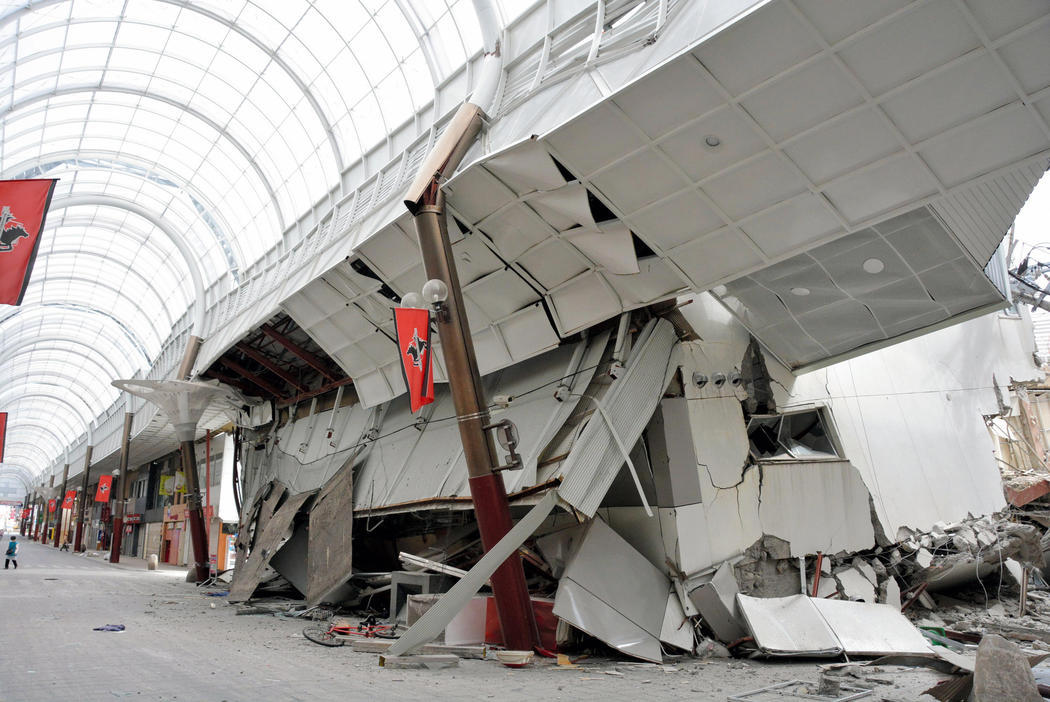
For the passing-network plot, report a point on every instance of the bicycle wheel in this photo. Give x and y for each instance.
(385, 633)
(322, 635)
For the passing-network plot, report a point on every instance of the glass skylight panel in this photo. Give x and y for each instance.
(122, 126)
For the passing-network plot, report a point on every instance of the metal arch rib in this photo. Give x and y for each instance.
(337, 153)
(21, 473)
(60, 443)
(40, 394)
(135, 340)
(158, 175)
(77, 89)
(25, 348)
(233, 26)
(181, 244)
(38, 388)
(81, 308)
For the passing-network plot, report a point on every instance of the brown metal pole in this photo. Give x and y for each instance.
(78, 539)
(121, 493)
(41, 506)
(487, 490)
(58, 508)
(196, 513)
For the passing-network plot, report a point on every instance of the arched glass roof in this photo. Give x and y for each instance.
(175, 126)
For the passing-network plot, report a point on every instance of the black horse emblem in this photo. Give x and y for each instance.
(11, 230)
(416, 349)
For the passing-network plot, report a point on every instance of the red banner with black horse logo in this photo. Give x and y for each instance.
(104, 484)
(67, 503)
(413, 340)
(23, 208)
(51, 504)
(3, 434)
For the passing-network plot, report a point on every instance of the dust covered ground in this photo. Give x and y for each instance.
(182, 645)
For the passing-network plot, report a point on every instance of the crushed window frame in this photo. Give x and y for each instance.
(801, 435)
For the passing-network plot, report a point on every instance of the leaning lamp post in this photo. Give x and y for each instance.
(183, 403)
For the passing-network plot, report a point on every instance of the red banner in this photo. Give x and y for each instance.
(413, 339)
(26, 511)
(3, 434)
(51, 504)
(23, 208)
(104, 484)
(67, 503)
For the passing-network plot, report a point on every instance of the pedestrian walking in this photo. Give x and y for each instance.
(11, 554)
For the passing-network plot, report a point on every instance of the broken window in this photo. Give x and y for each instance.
(799, 436)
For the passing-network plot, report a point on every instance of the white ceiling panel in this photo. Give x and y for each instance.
(713, 258)
(481, 194)
(890, 184)
(838, 19)
(803, 99)
(684, 217)
(600, 139)
(950, 97)
(657, 105)
(584, 301)
(1008, 135)
(835, 148)
(860, 289)
(552, 262)
(1004, 16)
(910, 45)
(757, 184)
(1027, 57)
(734, 140)
(733, 58)
(792, 225)
(638, 181)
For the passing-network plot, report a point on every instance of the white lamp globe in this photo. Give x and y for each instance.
(412, 299)
(435, 291)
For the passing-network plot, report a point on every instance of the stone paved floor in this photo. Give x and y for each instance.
(178, 647)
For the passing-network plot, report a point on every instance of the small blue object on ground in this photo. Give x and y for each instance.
(110, 627)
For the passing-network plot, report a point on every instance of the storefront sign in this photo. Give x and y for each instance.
(133, 519)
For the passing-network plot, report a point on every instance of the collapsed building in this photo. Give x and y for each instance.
(735, 278)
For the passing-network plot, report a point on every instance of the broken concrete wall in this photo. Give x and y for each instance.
(908, 417)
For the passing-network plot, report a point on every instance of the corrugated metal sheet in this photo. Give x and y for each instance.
(596, 457)
(979, 215)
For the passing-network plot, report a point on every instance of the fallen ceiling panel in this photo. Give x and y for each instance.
(804, 626)
(613, 593)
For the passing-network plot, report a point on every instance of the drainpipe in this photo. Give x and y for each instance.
(78, 539)
(121, 493)
(426, 202)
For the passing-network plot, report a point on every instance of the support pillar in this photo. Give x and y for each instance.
(491, 507)
(121, 493)
(195, 511)
(22, 519)
(59, 512)
(78, 539)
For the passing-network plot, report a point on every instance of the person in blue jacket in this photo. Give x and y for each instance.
(11, 554)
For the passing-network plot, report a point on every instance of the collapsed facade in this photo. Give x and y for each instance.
(733, 271)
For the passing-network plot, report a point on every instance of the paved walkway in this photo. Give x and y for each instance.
(182, 645)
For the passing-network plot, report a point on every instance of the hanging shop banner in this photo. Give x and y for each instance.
(3, 434)
(167, 482)
(104, 484)
(67, 503)
(51, 504)
(180, 482)
(23, 208)
(26, 511)
(413, 339)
